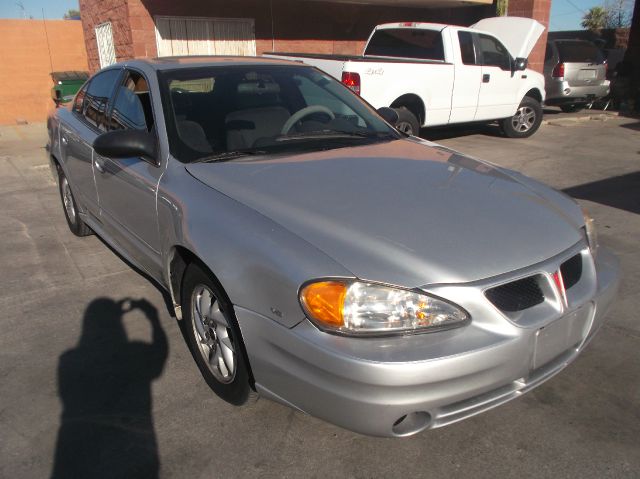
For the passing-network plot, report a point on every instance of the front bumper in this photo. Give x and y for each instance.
(401, 385)
(562, 93)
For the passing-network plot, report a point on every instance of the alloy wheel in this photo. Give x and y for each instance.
(524, 119)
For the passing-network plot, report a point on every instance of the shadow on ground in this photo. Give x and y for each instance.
(621, 192)
(444, 133)
(104, 384)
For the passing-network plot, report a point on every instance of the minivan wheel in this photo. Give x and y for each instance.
(571, 108)
(407, 122)
(214, 337)
(70, 207)
(526, 121)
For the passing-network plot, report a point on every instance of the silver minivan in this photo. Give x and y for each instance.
(575, 74)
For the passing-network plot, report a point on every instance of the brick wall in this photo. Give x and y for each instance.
(25, 64)
(297, 25)
(95, 12)
(538, 10)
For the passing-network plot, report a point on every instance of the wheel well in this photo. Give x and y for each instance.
(413, 103)
(535, 94)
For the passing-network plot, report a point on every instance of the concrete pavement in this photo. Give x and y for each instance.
(583, 423)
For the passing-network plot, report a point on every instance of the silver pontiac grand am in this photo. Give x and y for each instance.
(318, 256)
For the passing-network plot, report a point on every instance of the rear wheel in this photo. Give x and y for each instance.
(214, 337)
(70, 207)
(407, 121)
(571, 108)
(526, 121)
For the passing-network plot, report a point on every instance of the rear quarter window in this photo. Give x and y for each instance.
(579, 52)
(406, 43)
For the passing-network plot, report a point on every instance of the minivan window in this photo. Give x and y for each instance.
(579, 52)
(406, 43)
(97, 97)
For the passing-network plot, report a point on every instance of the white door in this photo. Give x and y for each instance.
(499, 86)
(106, 50)
(205, 36)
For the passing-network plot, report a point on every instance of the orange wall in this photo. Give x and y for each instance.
(25, 83)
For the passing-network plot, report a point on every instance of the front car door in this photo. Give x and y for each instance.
(127, 186)
(87, 121)
(498, 89)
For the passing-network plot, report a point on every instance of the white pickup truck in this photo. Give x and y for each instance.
(434, 74)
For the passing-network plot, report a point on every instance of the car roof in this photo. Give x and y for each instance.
(195, 61)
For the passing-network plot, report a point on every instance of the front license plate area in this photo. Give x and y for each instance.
(564, 333)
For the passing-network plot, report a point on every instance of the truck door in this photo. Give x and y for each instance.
(468, 75)
(498, 87)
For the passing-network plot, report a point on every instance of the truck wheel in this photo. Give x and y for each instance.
(70, 207)
(214, 336)
(407, 122)
(526, 121)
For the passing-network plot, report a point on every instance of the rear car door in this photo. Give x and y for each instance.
(466, 86)
(127, 186)
(498, 89)
(76, 136)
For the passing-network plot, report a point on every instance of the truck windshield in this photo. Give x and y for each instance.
(223, 113)
(406, 43)
(579, 52)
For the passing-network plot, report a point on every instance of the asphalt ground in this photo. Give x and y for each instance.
(69, 336)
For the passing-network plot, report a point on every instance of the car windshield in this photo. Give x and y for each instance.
(223, 113)
(579, 52)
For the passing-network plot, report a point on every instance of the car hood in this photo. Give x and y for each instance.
(403, 212)
(518, 34)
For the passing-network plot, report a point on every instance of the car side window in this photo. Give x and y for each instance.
(132, 106)
(96, 99)
(467, 49)
(494, 54)
(78, 101)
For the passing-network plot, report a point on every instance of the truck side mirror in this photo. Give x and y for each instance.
(388, 114)
(520, 64)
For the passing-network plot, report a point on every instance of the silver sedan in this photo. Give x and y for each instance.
(318, 256)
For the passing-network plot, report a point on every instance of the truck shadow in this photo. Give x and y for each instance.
(445, 133)
(620, 192)
(104, 384)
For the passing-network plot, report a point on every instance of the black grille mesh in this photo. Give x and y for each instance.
(571, 271)
(517, 295)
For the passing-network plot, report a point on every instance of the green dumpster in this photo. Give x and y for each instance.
(66, 85)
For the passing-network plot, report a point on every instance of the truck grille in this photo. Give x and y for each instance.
(517, 295)
(571, 271)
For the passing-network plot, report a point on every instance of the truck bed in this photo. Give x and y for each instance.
(354, 58)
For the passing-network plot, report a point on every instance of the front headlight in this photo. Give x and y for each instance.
(358, 308)
(590, 232)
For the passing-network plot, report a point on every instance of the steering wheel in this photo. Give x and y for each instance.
(300, 114)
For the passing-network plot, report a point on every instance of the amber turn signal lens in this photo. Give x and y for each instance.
(324, 302)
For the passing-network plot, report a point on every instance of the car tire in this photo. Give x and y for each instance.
(214, 337)
(526, 121)
(70, 207)
(407, 122)
(571, 108)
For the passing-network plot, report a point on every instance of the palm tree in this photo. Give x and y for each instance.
(594, 19)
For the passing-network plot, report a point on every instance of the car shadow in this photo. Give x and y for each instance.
(104, 384)
(622, 192)
(445, 133)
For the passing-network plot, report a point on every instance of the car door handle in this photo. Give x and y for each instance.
(486, 77)
(99, 165)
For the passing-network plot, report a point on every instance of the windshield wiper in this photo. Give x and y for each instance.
(325, 134)
(228, 155)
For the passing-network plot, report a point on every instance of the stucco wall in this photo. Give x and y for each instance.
(25, 65)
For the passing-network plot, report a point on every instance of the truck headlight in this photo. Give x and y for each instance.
(360, 309)
(590, 232)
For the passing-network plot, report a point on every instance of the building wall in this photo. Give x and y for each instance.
(283, 25)
(95, 12)
(25, 64)
(538, 10)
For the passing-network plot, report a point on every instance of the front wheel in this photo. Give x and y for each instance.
(526, 121)
(407, 122)
(214, 336)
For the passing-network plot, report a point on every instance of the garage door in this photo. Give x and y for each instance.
(205, 36)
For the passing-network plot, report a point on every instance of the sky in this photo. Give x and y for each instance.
(52, 8)
(565, 14)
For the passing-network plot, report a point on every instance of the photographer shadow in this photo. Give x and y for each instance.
(104, 384)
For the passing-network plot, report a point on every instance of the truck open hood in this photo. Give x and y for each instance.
(518, 34)
(403, 212)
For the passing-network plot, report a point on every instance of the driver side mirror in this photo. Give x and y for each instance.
(125, 144)
(388, 114)
(520, 64)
